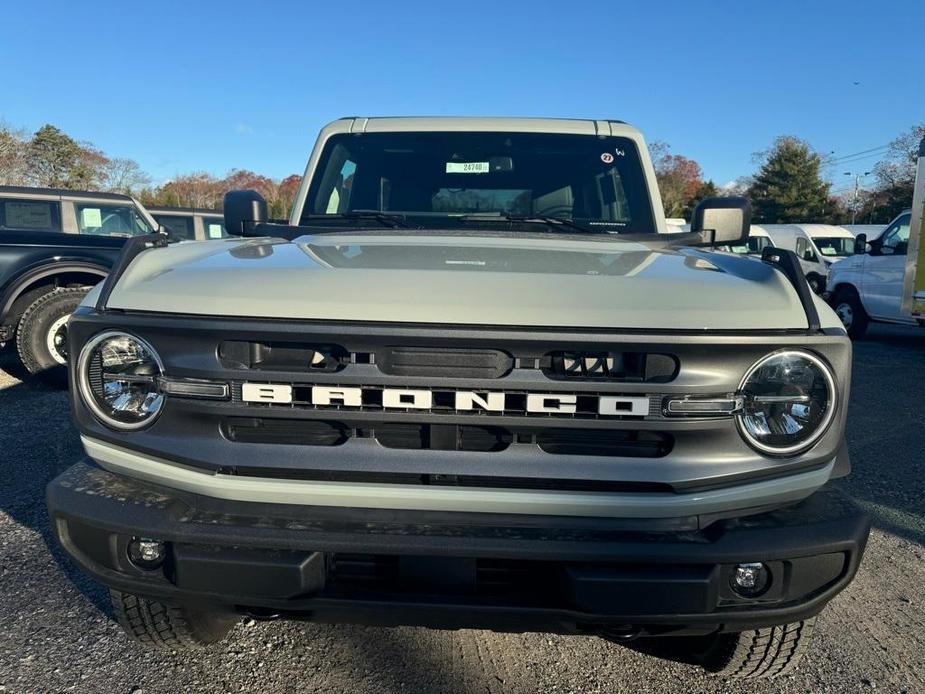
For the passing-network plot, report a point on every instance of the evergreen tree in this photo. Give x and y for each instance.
(788, 187)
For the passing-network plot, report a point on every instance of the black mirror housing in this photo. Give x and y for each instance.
(860, 244)
(722, 221)
(244, 211)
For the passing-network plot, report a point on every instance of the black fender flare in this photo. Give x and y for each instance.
(55, 267)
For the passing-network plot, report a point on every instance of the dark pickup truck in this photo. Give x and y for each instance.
(54, 246)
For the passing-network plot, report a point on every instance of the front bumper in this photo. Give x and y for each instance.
(454, 570)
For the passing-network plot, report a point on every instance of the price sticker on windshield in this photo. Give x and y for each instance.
(469, 167)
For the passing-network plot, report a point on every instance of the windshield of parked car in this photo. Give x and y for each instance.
(754, 246)
(834, 246)
(449, 179)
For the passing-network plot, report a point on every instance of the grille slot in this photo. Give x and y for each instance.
(641, 367)
(286, 431)
(614, 443)
(444, 362)
(283, 356)
(443, 437)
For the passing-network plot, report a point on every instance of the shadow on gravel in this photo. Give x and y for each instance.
(886, 433)
(396, 656)
(37, 442)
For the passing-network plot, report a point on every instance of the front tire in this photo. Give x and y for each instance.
(760, 653)
(848, 307)
(159, 626)
(41, 337)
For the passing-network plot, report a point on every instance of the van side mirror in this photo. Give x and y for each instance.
(722, 221)
(860, 244)
(244, 210)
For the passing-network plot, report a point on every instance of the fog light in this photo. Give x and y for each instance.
(145, 553)
(750, 580)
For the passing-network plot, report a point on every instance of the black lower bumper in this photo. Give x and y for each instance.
(455, 570)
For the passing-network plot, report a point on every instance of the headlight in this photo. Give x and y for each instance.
(117, 374)
(789, 402)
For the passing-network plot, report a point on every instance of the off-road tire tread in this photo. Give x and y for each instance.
(762, 653)
(24, 343)
(157, 625)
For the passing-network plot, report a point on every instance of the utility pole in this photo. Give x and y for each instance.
(857, 190)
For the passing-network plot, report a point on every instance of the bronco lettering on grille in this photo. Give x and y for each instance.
(423, 399)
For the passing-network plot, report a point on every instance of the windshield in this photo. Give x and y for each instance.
(834, 246)
(754, 246)
(438, 179)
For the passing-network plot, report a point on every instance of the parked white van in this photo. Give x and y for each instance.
(869, 286)
(758, 239)
(816, 245)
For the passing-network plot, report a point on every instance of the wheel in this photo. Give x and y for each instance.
(159, 626)
(41, 338)
(815, 283)
(760, 653)
(848, 307)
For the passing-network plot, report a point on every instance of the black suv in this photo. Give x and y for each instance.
(54, 246)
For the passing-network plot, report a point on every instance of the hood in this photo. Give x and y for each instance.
(455, 279)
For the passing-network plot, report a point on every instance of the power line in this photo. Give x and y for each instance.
(873, 151)
(856, 159)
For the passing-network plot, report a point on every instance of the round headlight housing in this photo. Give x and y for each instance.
(118, 378)
(788, 402)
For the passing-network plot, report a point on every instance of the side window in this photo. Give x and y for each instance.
(337, 183)
(804, 251)
(110, 220)
(896, 238)
(214, 228)
(34, 215)
(179, 227)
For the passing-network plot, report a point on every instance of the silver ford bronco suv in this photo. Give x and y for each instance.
(472, 384)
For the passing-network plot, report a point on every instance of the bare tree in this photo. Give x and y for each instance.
(121, 175)
(12, 156)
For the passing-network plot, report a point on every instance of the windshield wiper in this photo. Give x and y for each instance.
(556, 223)
(393, 221)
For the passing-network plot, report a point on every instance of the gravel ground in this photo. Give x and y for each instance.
(56, 634)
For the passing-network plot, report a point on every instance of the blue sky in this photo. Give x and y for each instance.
(183, 86)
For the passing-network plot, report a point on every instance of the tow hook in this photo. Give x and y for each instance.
(261, 614)
(621, 634)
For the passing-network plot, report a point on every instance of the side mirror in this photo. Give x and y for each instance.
(860, 244)
(244, 210)
(722, 221)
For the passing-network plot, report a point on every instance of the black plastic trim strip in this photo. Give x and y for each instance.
(132, 248)
(787, 262)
